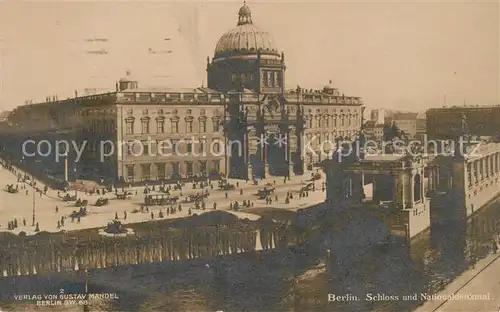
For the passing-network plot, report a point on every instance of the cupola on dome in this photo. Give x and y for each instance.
(128, 77)
(246, 38)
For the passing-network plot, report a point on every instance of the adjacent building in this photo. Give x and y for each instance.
(377, 116)
(214, 130)
(444, 123)
(405, 121)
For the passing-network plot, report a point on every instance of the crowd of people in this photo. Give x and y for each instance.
(199, 200)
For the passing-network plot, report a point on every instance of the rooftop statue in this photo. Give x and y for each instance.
(463, 124)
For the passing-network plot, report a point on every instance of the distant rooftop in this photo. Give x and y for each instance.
(383, 157)
(461, 107)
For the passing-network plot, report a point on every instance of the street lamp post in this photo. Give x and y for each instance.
(85, 306)
(34, 196)
(207, 266)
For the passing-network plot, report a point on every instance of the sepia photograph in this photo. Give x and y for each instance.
(249, 156)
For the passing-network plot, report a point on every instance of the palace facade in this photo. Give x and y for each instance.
(210, 130)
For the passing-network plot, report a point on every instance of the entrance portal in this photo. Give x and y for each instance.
(276, 155)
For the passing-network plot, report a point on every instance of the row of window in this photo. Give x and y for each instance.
(172, 170)
(145, 148)
(102, 126)
(325, 122)
(317, 138)
(174, 126)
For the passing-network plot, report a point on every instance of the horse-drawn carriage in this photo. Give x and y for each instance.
(68, 198)
(123, 195)
(196, 198)
(78, 214)
(315, 176)
(164, 189)
(307, 188)
(12, 189)
(160, 199)
(266, 191)
(81, 203)
(101, 201)
(226, 186)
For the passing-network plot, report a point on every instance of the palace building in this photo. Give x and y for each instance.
(245, 100)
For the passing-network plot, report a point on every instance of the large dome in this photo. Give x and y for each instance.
(246, 38)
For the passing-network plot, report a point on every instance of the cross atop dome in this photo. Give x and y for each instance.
(244, 15)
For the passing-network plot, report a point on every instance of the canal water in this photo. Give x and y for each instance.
(301, 278)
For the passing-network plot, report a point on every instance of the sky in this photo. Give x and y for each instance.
(404, 55)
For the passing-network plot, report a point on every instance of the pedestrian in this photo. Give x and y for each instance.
(241, 191)
(125, 215)
(78, 220)
(57, 209)
(152, 215)
(24, 221)
(215, 206)
(226, 195)
(116, 215)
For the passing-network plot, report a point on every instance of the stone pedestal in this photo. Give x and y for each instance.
(266, 171)
(249, 172)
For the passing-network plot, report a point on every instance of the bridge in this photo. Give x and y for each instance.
(45, 253)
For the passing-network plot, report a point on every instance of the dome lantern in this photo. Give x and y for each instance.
(244, 15)
(329, 89)
(128, 82)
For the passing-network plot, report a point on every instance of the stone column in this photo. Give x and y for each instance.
(482, 173)
(400, 192)
(437, 178)
(430, 179)
(267, 174)
(422, 186)
(362, 178)
(251, 151)
(374, 188)
(412, 190)
(290, 147)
